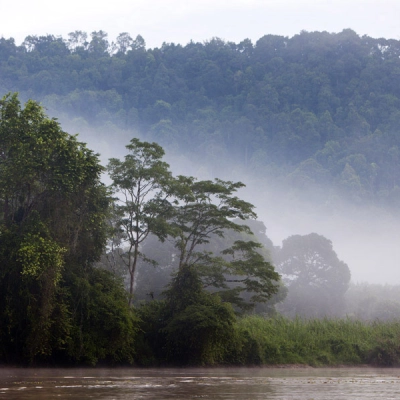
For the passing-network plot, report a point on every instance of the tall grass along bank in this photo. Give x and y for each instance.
(317, 341)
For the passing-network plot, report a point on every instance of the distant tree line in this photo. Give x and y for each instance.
(315, 109)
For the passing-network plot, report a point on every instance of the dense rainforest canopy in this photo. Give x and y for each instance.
(316, 108)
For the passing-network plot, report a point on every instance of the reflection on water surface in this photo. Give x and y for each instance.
(213, 383)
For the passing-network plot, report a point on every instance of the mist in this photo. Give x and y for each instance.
(365, 238)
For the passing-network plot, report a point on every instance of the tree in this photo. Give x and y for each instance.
(124, 42)
(52, 228)
(142, 180)
(192, 324)
(99, 43)
(317, 280)
(139, 43)
(77, 39)
(151, 282)
(207, 210)
(48, 177)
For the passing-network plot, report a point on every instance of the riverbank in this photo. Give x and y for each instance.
(276, 342)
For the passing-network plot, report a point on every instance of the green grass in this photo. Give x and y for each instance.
(268, 341)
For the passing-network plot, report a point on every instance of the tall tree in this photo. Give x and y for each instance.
(124, 42)
(207, 210)
(142, 182)
(99, 43)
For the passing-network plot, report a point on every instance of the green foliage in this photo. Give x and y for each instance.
(250, 269)
(103, 326)
(191, 327)
(207, 208)
(386, 351)
(201, 332)
(37, 254)
(307, 110)
(317, 341)
(206, 211)
(53, 211)
(220, 273)
(151, 341)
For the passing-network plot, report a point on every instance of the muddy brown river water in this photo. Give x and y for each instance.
(208, 383)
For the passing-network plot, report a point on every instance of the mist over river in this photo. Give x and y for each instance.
(207, 383)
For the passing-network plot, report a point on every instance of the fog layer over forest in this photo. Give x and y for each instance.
(364, 237)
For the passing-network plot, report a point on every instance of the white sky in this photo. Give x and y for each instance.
(180, 21)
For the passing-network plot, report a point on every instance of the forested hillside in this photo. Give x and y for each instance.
(317, 108)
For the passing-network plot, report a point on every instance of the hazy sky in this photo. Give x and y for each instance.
(180, 21)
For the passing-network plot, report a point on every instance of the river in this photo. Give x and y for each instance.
(207, 383)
